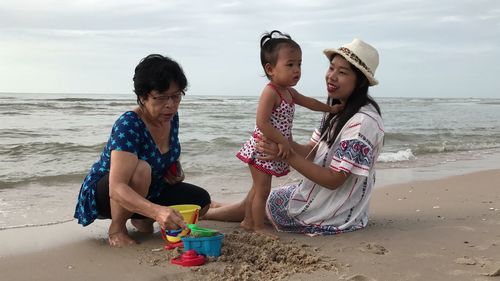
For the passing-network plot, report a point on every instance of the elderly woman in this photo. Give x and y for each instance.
(338, 163)
(138, 174)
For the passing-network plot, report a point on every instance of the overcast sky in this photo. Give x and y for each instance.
(428, 48)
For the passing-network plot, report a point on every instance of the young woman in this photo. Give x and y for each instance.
(339, 172)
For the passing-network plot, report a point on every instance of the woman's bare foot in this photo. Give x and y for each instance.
(143, 225)
(234, 212)
(246, 225)
(120, 239)
(214, 204)
(269, 233)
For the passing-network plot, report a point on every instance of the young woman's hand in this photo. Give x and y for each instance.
(267, 147)
(283, 150)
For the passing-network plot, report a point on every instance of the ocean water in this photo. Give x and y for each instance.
(49, 141)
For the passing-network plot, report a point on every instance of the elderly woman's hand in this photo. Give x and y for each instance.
(169, 218)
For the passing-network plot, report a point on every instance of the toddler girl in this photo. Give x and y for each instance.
(281, 58)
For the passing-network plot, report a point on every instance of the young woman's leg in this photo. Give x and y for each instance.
(233, 212)
(247, 222)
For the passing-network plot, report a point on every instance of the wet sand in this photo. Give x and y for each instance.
(446, 229)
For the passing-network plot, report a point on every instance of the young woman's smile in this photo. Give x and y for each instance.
(340, 79)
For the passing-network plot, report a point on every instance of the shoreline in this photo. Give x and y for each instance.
(49, 202)
(438, 229)
(390, 176)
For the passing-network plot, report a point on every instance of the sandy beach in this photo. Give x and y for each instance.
(445, 229)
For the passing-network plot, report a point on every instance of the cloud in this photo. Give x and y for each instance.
(217, 41)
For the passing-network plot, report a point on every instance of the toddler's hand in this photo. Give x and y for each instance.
(336, 108)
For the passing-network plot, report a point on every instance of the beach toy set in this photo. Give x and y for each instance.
(190, 215)
(189, 258)
(204, 241)
(198, 242)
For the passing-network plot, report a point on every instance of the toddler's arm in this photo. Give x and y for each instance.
(314, 104)
(336, 108)
(268, 100)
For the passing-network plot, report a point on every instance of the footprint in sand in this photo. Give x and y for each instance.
(359, 277)
(373, 248)
(493, 273)
(427, 255)
(466, 261)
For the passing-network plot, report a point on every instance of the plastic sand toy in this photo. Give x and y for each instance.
(208, 246)
(174, 233)
(201, 231)
(190, 214)
(189, 258)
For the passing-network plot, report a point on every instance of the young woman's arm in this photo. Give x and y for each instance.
(304, 149)
(323, 176)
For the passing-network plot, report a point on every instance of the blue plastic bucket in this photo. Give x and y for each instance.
(208, 246)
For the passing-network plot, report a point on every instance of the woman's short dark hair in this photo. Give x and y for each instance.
(157, 72)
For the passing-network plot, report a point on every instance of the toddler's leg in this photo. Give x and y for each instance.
(262, 187)
(247, 222)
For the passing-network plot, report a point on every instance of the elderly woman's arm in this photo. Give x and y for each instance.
(125, 190)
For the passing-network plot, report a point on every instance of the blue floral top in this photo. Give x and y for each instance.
(129, 133)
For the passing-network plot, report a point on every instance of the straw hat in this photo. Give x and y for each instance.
(360, 54)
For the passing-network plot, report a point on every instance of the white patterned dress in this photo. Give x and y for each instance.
(282, 120)
(309, 208)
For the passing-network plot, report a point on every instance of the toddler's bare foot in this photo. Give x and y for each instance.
(143, 225)
(269, 233)
(246, 225)
(120, 239)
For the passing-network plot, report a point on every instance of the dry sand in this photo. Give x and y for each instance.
(446, 229)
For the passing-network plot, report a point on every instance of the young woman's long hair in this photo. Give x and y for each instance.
(358, 98)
